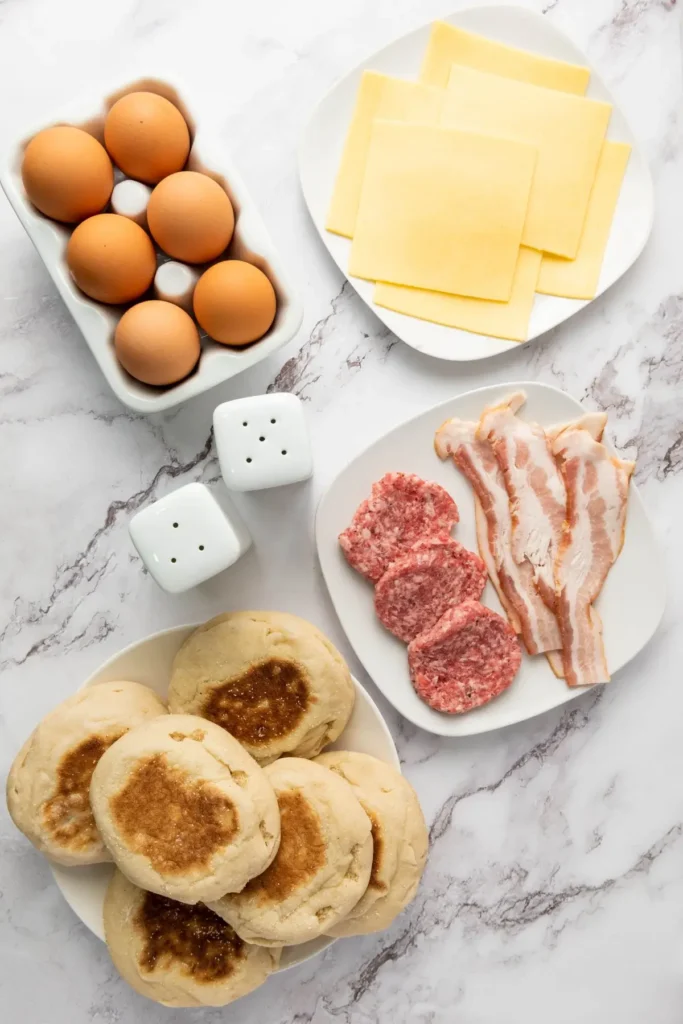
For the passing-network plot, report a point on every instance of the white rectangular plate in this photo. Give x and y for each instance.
(250, 242)
(630, 605)
(323, 140)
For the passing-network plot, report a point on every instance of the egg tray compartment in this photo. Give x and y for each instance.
(97, 322)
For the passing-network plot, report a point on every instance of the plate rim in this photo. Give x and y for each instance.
(452, 17)
(91, 680)
(504, 386)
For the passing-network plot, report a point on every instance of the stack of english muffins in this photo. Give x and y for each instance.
(233, 835)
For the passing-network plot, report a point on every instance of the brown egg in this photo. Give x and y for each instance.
(234, 302)
(67, 173)
(111, 258)
(147, 136)
(157, 342)
(190, 217)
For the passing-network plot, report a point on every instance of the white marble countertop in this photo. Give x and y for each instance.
(554, 889)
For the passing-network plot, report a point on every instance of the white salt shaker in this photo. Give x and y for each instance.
(262, 441)
(188, 536)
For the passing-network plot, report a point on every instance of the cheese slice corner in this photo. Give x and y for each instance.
(379, 96)
(567, 130)
(449, 45)
(442, 210)
(579, 278)
(509, 320)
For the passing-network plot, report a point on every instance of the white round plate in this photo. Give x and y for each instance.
(323, 140)
(149, 662)
(631, 603)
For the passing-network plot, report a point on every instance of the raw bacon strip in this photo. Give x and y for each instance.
(482, 529)
(556, 664)
(597, 494)
(535, 488)
(475, 459)
(421, 585)
(465, 660)
(401, 510)
(593, 422)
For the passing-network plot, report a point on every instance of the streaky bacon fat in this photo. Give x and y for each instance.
(476, 460)
(482, 528)
(593, 422)
(597, 486)
(534, 485)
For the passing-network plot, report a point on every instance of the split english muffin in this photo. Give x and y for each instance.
(400, 840)
(322, 867)
(273, 680)
(179, 955)
(49, 783)
(184, 810)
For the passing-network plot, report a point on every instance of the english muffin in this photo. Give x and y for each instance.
(184, 810)
(322, 867)
(271, 679)
(399, 835)
(49, 782)
(179, 955)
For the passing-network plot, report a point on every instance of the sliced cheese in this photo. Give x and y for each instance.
(394, 99)
(442, 210)
(498, 319)
(451, 45)
(568, 130)
(578, 278)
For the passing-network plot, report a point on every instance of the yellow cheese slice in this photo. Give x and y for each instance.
(394, 99)
(498, 319)
(451, 45)
(568, 130)
(442, 210)
(578, 278)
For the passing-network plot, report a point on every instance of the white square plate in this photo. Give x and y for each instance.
(631, 603)
(323, 140)
(250, 242)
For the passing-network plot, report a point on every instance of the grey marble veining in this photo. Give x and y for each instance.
(554, 889)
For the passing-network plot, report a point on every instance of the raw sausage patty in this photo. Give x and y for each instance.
(469, 657)
(421, 585)
(401, 510)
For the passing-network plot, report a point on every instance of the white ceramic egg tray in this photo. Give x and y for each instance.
(250, 242)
